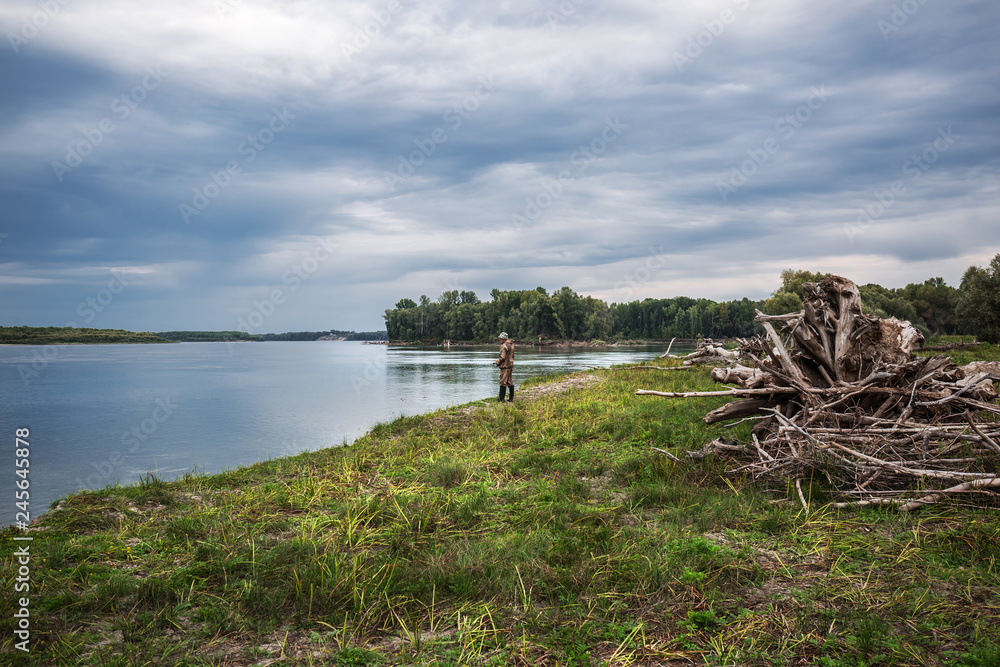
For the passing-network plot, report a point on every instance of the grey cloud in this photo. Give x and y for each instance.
(559, 77)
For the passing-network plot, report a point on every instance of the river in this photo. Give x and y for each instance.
(103, 414)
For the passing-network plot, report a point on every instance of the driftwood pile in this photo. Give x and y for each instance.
(840, 397)
(707, 352)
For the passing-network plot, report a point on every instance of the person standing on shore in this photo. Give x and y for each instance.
(506, 365)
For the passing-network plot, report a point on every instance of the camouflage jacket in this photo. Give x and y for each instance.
(506, 359)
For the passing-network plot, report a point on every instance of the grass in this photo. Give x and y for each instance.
(543, 532)
(984, 351)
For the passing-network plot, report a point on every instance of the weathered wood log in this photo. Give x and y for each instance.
(787, 364)
(715, 447)
(788, 317)
(701, 361)
(929, 499)
(983, 374)
(706, 352)
(708, 394)
(987, 439)
(977, 484)
(749, 378)
(813, 344)
(840, 302)
(667, 354)
(847, 390)
(739, 409)
(817, 322)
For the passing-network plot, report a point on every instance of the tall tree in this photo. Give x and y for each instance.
(934, 302)
(878, 300)
(788, 298)
(978, 307)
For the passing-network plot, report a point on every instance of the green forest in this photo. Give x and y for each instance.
(227, 336)
(206, 336)
(934, 307)
(67, 335)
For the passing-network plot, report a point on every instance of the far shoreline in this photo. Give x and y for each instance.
(631, 342)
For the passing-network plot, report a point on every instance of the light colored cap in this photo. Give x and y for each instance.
(503, 335)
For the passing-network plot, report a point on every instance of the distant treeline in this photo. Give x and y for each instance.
(565, 315)
(932, 306)
(69, 335)
(227, 336)
(207, 336)
(296, 335)
(368, 335)
(316, 335)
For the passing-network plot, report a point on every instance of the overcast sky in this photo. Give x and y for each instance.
(184, 165)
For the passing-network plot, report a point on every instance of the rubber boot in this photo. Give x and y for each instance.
(503, 392)
(511, 399)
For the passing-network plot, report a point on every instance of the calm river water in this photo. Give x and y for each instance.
(100, 414)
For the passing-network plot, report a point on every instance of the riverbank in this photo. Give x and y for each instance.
(543, 532)
(680, 342)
